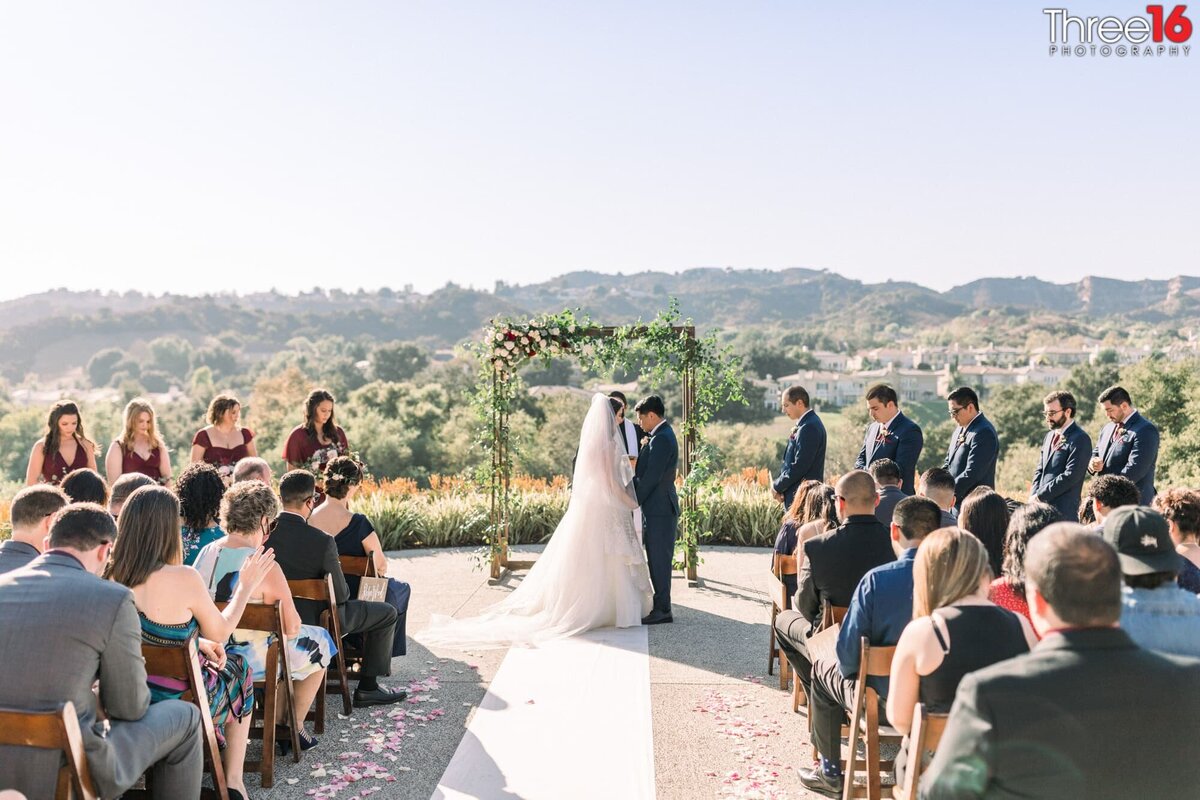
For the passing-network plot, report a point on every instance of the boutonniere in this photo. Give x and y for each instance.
(962, 438)
(882, 436)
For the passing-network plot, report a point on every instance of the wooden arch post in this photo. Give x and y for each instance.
(502, 466)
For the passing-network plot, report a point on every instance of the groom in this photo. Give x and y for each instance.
(654, 479)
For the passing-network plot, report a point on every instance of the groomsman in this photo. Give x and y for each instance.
(892, 435)
(1058, 479)
(1128, 444)
(804, 457)
(974, 447)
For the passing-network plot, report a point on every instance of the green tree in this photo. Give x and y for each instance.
(171, 355)
(19, 429)
(398, 361)
(1087, 381)
(101, 367)
(1016, 411)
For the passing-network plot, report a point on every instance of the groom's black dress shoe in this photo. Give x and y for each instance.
(656, 617)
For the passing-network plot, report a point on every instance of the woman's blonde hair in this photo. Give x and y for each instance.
(135, 407)
(950, 565)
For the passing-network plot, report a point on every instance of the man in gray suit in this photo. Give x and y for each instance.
(63, 628)
(1087, 713)
(32, 511)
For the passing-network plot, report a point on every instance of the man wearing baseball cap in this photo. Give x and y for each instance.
(1155, 612)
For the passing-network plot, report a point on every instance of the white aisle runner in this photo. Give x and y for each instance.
(568, 719)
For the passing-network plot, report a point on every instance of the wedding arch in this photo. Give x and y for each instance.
(709, 377)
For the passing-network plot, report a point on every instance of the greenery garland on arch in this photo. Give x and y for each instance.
(711, 376)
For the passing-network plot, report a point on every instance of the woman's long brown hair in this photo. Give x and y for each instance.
(148, 536)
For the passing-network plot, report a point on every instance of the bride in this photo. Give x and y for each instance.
(593, 572)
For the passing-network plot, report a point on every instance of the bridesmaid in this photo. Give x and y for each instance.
(319, 440)
(355, 536)
(140, 448)
(63, 449)
(222, 442)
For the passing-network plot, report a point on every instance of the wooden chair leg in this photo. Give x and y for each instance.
(317, 714)
(798, 696)
(773, 650)
(343, 682)
(267, 767)
(874, 785)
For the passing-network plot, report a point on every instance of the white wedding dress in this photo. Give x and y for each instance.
(592, 574)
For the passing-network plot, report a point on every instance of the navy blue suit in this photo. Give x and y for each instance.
(972, 456)
(654, 480)
(903, 445)
(804, 458)
(1134, 454)
(1058, 479)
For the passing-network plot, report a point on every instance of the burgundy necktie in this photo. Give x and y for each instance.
(1055, 440)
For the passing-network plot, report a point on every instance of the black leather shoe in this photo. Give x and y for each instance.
(378, 697)
(818, 781)
(656, 618)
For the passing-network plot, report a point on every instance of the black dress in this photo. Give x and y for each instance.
(350, 543)
(979, 637)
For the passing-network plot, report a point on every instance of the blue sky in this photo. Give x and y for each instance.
(241, 146)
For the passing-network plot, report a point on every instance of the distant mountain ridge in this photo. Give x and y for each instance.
(799, 299)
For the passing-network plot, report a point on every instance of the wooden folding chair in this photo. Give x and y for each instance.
(57, 729)
(781, 565)
(874, 662)
(264, 617)
(182, 663)
(926, 734)
(830, 616)
(321, 590)
(362, 567)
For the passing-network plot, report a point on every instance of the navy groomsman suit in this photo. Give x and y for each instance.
(901, 441)
(972, 456)
(654, 478)
(1130, 448)
(804, 458)
(1062, 467)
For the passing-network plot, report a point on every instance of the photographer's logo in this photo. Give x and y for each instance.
(1160, 33)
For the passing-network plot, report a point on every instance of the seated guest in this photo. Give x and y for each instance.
(1108, 493)
(1086, 714)
(788, 537)
(1008, 590)
(1181, 507)
(955, 629)
(33, 509)
(304, 553)
(199, 490)
(252, 468)
(85, 486)
(1155, 611)
(173, 604)
(985, 514)
(834, 563)
(124, 486)
(879, 610)
(887, 482)
(820, 509)
(246, 512)
(938, 485)
(355, 536)
(63, 628)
